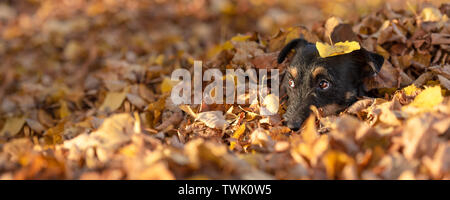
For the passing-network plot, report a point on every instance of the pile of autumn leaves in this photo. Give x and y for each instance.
(135, 132)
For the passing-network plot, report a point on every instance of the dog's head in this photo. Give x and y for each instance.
(331, 84)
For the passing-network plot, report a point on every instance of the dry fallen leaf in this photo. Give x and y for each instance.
(428, 98)
(212, 119)
(167, 85)
(114, 131)
(330, 24)
(237, 134)
(411, 90)
(261, 137)
(310, 145)
(326, 50)
(113, 101)
(270, 105)
(12, 126)
(335, 162)
(83, 97)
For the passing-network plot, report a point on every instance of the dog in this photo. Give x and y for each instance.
(331, 84)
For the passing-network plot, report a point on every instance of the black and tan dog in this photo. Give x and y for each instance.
(331, 84)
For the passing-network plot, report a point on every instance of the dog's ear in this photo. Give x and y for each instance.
(296, 43)
(371, 62)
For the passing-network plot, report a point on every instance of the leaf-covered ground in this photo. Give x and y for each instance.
(85, 86)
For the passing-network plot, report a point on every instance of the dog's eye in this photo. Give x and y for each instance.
(324, 84)
(291, 83)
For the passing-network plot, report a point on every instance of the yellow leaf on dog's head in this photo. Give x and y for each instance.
(326, 50)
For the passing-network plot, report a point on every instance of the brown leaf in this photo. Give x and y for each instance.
(442, 70)
(136, 101)
(342, 33)
(386, 78)
(440, 38)
(440, 163)
(444, 82)
(266, 61)
(417, 138)
(360, 105)
(35, 125)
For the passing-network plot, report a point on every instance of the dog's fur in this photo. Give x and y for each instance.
(344, 73)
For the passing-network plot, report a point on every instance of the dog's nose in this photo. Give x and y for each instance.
(294, 125)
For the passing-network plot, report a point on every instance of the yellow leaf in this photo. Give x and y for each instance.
(293, 33)
(54, 134)
(326, 50)
(188, 110)
(411, 90)
(428, 98)
(113, 101)
(237, 134)
(431, 14)
(137, 123)
(241, 38)
(12, 126)
(309, 134)
(227, 46)
(312, 144)
(155, 109)
(335, 161)
(129, 150)
(63, 110)
(167, 85)
(312, 150)
(382, 51)
(217, 49)
(159, 59)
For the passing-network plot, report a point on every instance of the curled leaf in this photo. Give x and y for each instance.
(213, 119)
(326, 50)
